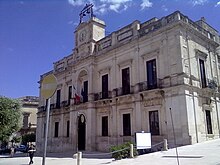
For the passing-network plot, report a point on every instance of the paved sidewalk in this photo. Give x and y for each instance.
(207, 153)
(50, 161)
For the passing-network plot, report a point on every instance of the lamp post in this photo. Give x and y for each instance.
(77, 132)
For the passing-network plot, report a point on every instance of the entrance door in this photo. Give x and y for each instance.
(81, 132)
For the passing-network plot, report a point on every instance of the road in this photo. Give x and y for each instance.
(206, 153)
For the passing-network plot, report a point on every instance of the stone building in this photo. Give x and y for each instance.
(134, 80)
(29, 108)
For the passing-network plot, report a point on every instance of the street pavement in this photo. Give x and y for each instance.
(206, 153)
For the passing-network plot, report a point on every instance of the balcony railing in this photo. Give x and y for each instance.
(52, 106)
(212, 84)
(65, 103)
(41, 108)
(101, 95)
(80, 99)
(120, 91)
(143, 86)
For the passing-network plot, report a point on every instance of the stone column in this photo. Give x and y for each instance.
(114, 123)
(138, 116)
(61, 132)
(90, 83)
(39, 134)
(50, 132)
(91, 131)
(73, 130)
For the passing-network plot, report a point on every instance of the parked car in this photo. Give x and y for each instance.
(22, 148)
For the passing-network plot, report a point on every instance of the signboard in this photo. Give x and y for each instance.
(143, 140)
(48, 86)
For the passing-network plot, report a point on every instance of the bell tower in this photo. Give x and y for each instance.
(88, 33)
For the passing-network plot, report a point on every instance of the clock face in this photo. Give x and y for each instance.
(82, 36)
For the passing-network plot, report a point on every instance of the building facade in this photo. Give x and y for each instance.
(29, 109)
(135, 79)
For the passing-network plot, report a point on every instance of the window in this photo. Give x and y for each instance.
(154, 123)
(68, 128)
(56, 131)
(69, 94)
(105, 86)
(25, 120)
(105, 126)
(208, 121)
(84, 91)
(202, 73)
(126, 125)
(125, 81)
(151, 74)
(58, 98)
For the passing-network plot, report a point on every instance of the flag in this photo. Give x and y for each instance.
(76, 96)
(82, 94)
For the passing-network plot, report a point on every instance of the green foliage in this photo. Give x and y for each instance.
(125, 153)
(28, 138)
(10, 115)
(17, 139)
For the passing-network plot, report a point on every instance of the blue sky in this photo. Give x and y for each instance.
(36, 33)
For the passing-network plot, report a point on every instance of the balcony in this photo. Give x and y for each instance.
(114, 93)
(42, 108)
(102, 95)
(143, 86)
(212, 84)
(81, 99)
(65, 104)
(52, 106)
(123, 91)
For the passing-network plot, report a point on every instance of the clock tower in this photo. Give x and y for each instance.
(88, 33)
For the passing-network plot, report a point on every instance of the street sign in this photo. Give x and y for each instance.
(48, 86)
(143, 140)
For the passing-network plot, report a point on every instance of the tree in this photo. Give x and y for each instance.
(28, 138)
(10, 117)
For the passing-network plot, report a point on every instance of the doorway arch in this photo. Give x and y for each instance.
(81, 132)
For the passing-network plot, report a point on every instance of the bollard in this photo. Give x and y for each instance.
(165, 145)
(75, 156)
(131, 151)
(79, 158)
